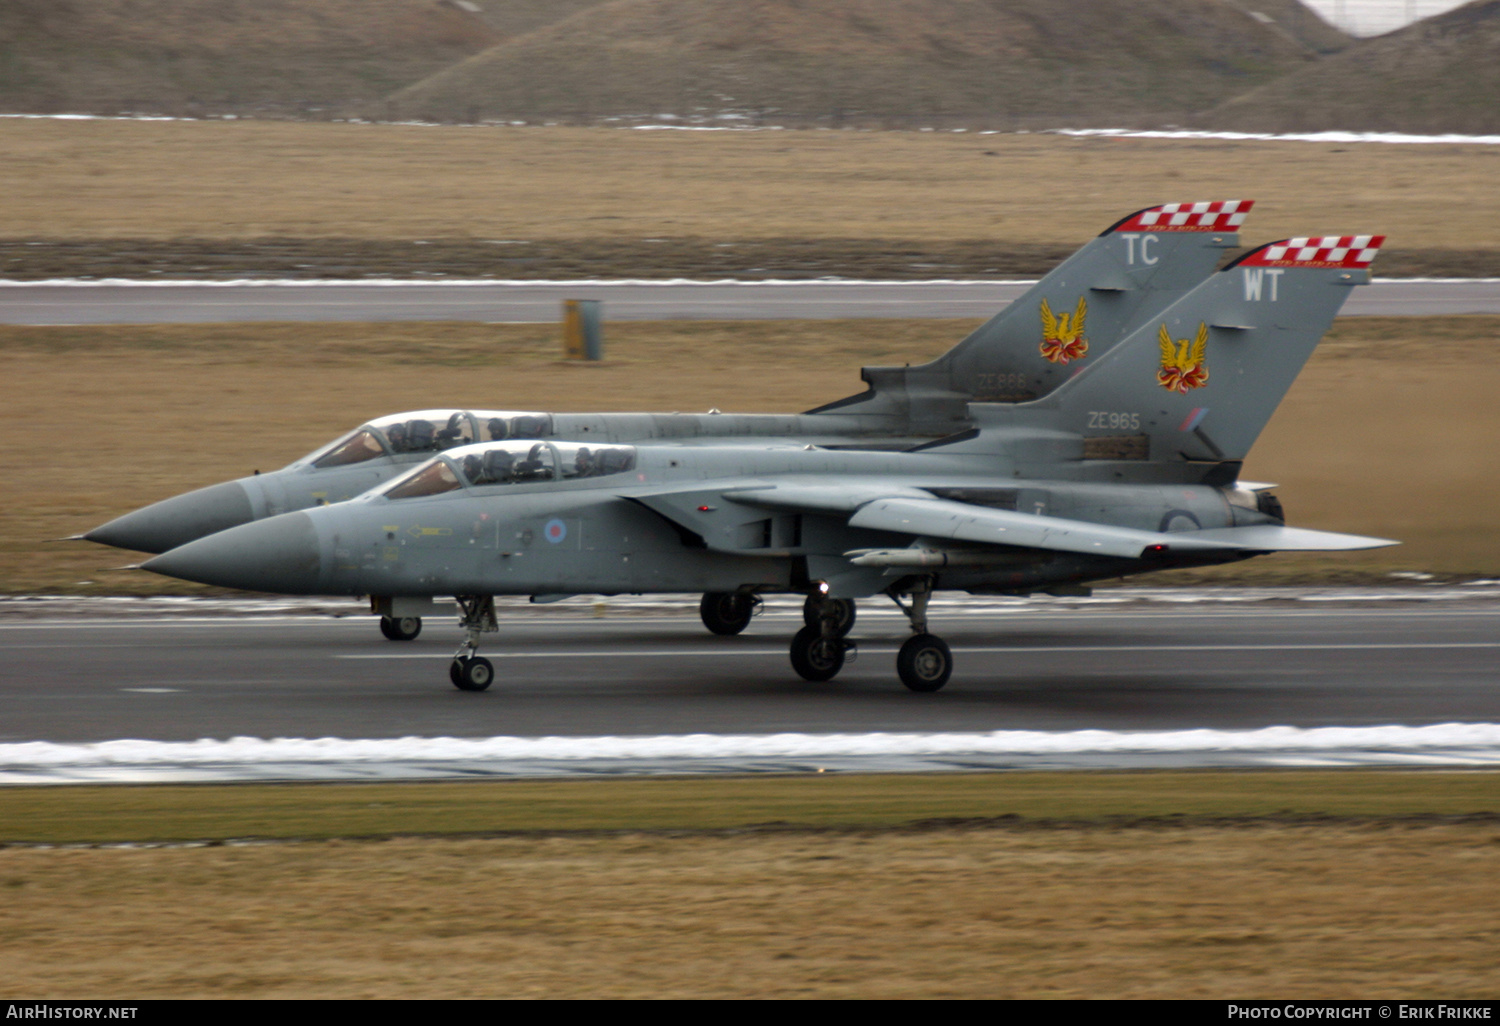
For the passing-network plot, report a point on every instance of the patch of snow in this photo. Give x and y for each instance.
(1400, 138)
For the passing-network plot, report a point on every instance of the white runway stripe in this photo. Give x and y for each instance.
(698, 653)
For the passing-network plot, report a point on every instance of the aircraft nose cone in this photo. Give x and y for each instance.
(165, 525)
(281, 554)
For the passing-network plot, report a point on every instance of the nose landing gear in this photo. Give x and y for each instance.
(819, 649)
(470, 671)
(842, 611)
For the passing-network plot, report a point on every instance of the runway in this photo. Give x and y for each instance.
(531, 302)
(1160, 667)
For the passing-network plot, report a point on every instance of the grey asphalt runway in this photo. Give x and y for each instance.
(533, 303)
(1132, 668)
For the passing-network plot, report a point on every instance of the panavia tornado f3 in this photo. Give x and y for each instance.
(1117, 282)
(1127, 466)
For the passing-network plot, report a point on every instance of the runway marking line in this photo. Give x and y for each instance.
(1014, 649)
(624, 618)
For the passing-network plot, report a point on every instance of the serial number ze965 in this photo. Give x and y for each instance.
(1114, 421)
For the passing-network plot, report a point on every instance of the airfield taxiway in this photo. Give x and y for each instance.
(1044, 666)
(535, 302)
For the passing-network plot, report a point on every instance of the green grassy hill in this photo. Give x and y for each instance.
(1438, 75)
(1005, 63)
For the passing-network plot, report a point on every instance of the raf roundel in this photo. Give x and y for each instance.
(555, 531)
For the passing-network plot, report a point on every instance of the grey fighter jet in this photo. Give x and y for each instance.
(1129, 273)
(1130, 466)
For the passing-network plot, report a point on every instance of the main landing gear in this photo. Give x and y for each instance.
(925, 662)
(400, 628)
(728, 612)
(470, 671)
(820, 649)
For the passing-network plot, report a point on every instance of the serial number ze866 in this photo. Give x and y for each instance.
(998, 381)
(1116, 421)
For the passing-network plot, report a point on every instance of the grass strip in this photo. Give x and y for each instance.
(163, 813)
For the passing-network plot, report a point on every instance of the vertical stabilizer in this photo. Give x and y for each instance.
(1199, 381)
(1066, 321)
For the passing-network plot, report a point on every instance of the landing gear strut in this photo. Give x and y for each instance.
(925, 662)
(728, 612)
(470, 671)
(400, 628)
(819, 649)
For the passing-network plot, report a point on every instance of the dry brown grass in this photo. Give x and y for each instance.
(1283, 911)
(153, 180)
(1389, 431)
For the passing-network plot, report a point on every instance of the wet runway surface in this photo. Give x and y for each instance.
(26, 303)
(1137, 668)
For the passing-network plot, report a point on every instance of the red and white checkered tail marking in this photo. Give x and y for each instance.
(1213, 216)
(1357, 251)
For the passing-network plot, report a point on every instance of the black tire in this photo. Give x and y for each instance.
(401, 628)
(814, 657)
(924, 663)
(473, 674)
(726, 612)
(845, 620)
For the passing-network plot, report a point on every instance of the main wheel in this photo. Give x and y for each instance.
(815, 657)
(472, 674)
(924, 662)
(843, 622)
(726, 612)
(400, 628)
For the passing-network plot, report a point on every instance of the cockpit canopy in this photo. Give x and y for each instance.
(508, 463)
(427, 431)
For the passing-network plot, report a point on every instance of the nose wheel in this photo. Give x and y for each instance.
(819, 649)
(815, 657)
(841, 610)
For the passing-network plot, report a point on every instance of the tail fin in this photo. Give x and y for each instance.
(1199, 381)
(1135, 268)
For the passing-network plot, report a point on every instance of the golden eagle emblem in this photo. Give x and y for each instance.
(1182, 366)
(1062, 335)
